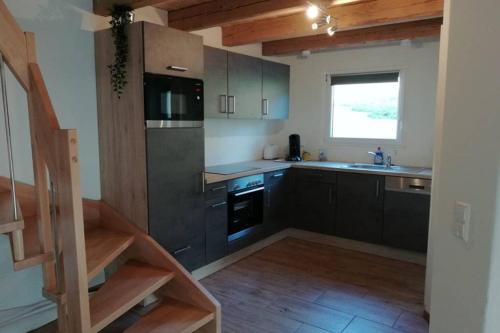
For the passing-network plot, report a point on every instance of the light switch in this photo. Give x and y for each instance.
(461, 225)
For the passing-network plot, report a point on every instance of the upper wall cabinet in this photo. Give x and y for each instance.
(215, 83)
(172, 52)
(243, 87)
(275, 90)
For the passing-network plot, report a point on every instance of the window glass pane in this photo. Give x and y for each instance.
(365, 111)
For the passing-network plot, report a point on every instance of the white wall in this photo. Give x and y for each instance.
(309, 102)
(66, 57)
(232, 140)
(465, 277)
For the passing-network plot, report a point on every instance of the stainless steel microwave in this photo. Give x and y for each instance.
(171, 101)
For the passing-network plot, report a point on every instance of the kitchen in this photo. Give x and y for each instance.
(225, 178)
(259, 167)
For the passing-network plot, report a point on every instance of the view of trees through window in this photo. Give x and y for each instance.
(365, 110)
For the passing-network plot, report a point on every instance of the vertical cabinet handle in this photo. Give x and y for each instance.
(232, 104)
(265, 107)
(202, 182)
(330, 195)
(223, 104)
(377, 189)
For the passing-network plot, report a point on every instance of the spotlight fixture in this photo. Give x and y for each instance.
(312, 11)
(321, 18)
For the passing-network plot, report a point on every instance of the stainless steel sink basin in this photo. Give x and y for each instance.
(368, 166)
(392, 168)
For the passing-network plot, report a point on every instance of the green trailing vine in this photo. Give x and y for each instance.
(121, 17)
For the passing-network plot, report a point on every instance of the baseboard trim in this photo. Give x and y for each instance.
(379, 250)
(216, 266)
(10, 317)
(348, 244)
(427, 316)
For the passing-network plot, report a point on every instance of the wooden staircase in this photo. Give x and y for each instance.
(75, 239)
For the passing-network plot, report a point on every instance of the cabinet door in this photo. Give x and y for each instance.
(175, 159)
(360, 207)
(276, 201)
(215, 83)
(315, 205)
(244, 86)
(166, 49)
(275, 90)
(406, 220)
(216, 229)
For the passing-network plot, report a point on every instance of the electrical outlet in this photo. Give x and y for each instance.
(461, 225)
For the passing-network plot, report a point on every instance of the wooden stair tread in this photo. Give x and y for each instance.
(172, 316)
(126, 288)
(7, 223)
(102, 247)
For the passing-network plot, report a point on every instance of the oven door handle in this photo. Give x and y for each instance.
(249, 191)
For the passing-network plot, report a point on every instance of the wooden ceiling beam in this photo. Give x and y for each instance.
(349, 17)
(103, 7)
(350, 38)
(222, 12)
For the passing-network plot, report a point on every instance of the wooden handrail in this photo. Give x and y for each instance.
(13, 46)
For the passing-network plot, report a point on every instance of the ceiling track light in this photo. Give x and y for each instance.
(312, 11)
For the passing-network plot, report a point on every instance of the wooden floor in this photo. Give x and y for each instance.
(295, 286)
(303, 287)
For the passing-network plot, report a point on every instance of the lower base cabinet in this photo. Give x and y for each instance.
(216, 230)
(276, 201)
(360, 207)
(349, 205)
(315, 201)
(215, 222)
(406, 220)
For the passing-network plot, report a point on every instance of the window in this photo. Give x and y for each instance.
(365, 107)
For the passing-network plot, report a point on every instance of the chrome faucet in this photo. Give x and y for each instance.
(388, 161)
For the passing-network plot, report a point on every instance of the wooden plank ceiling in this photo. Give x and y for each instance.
(283, 28)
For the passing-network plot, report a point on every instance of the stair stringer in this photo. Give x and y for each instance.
(183, 287)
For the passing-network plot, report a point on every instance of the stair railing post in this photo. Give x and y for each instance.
(61, 305)
(17, 235)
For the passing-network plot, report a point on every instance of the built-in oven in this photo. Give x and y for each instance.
(171, 101)
(245, 206)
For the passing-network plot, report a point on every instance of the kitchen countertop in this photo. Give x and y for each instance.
(263, 166)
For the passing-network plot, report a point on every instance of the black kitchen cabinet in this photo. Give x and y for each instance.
(360, 207)
(275, 90)
(175, 163)
(215, 82)
(406, 220)
(215, 221)
(244, 86)
(276, 201)
(315, 197)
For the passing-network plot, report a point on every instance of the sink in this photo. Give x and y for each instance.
(368, 166)
(392, 168)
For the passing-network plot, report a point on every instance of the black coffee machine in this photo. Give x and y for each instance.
(294, 153)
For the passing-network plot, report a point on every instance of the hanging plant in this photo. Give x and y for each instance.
(121, 17)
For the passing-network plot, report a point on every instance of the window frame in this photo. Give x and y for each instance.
(398, 142)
